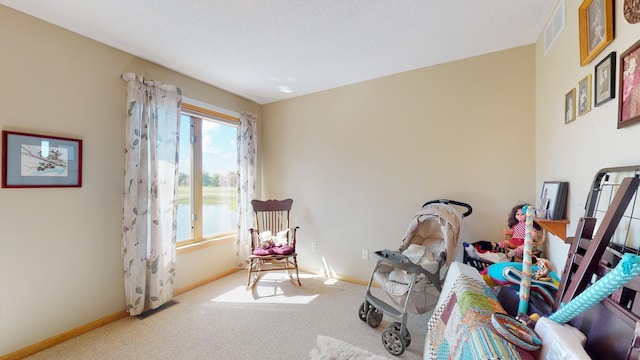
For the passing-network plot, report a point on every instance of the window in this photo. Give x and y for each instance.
(207, 175)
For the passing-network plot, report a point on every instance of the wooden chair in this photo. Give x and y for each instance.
(273, 240)
(537, 245)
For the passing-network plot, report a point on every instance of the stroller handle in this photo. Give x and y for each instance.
(402, 261)
(452, 202)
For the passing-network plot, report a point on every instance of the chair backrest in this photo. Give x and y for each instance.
(272, 214)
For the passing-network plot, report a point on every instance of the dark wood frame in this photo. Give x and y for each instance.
(588, 49)
(14, 145)
(607, 64)
(629, 89)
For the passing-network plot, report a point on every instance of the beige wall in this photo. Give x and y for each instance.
(359, 161)
(576, 151)
(60, 264)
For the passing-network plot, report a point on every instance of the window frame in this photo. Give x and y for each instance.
(198, 112)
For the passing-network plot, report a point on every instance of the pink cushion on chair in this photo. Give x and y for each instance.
(282, 250)
(262, 252)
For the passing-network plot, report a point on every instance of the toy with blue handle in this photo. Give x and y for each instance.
(627, 269)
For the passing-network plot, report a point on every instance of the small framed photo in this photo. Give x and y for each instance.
(553, 199)
(629, 87)
(570, 106)
(595, 21)
(584, 95)
(32, 160)
(605, 82)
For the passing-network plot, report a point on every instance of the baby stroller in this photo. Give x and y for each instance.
(429, 246)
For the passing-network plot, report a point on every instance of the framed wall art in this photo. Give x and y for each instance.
(605, 81)
(629, 87)
(631, 11)
(584, 95)
(570, 106)
(595, 21)
(553, 199)
(33, 160)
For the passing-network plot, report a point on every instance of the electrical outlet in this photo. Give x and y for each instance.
(365, 254)
(314, 246)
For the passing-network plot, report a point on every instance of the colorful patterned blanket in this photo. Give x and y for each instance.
(460, 328)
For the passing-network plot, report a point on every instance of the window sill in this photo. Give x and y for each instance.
(181, 249)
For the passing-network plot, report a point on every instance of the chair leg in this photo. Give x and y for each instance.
(253, 272)
(295, 264)
(251, 282)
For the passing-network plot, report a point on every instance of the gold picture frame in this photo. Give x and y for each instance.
(584, 95)
(570, 106)
(595, 21)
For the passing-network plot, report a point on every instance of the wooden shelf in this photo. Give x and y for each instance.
(556, 227)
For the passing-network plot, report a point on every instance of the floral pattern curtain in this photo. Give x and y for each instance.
(150, 192)
(247, 136)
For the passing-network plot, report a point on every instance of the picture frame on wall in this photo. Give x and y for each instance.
(553, 199)
(605, 80)
(570, 106)
(38, 161)
(584, 95)
(629, 87)
(595, 21)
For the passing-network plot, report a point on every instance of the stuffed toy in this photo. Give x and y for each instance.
(266, 239)
(270, 244)
(544, 268)
(281, 238)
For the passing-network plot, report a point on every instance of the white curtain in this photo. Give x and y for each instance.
(247, 137)
(150, 192)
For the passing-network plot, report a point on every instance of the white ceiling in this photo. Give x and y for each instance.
(270, 50)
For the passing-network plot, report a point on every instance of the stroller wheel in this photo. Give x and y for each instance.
(407, 336)
(362, 312)
(392, 341)
(374, 317)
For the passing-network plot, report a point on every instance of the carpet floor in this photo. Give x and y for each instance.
(223, 320)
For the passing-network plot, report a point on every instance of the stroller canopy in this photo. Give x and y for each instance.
(437, 227)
